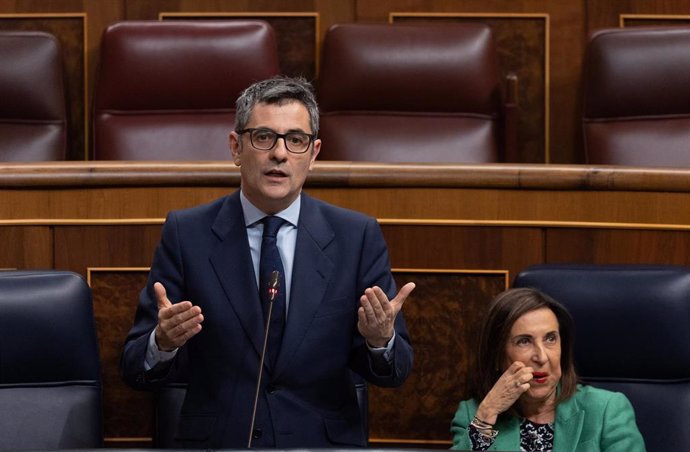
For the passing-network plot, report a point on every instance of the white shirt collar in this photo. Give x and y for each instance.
(253, 214)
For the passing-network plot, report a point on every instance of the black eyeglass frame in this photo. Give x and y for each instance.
(312, 137)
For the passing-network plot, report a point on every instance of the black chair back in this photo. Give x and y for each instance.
(50, 377)
(632, 336)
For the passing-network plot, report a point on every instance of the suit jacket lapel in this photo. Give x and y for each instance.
(233, 268)
(311, 273)
(568, 426)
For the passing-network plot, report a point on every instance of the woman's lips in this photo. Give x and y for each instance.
(540, 377)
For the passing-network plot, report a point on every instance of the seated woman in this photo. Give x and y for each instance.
(525, 394)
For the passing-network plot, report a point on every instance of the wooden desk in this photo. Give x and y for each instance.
(461, 232)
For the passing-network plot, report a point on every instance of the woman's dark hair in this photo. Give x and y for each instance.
(503, 312)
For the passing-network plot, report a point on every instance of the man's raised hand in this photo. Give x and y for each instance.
(177, 323)
(376, 315)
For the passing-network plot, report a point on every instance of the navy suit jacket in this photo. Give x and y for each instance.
(308, 399)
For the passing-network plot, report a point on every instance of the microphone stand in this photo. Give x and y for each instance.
(273, 285)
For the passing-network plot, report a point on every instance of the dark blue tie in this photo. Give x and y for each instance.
(270, 262)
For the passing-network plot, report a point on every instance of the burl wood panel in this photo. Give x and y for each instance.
(521, 46)
(128, 414)
(442, 315)
(70, 32)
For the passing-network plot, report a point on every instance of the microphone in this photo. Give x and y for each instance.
(273, 286)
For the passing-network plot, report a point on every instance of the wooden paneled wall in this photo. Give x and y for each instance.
(542, 41)
(461, 232)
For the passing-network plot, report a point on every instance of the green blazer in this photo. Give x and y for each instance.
(593, 420)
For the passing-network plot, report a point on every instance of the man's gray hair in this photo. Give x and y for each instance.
(277, 90)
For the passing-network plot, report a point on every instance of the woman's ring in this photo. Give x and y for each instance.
(517, 383)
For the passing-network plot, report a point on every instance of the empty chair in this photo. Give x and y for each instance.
(637, 97)
(632, 336)
(167, 90)
(50, 378)
(33, 114)
(413, 93)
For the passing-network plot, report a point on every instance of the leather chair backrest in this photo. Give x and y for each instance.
(50, 378)
(410, 93)
(167, 90)
(637, 97)
(33, 114)
(632, 336)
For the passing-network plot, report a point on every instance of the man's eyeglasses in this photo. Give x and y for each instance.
(266, 139)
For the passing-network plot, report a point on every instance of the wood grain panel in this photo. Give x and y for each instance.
(83, 206)
(70, 30)
(461, 247)
(80, 247)
(510, 207)
(26, 247)
(597, 246)
(480, 195)
(442, 335)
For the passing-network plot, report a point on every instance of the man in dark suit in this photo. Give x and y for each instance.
(204, 309)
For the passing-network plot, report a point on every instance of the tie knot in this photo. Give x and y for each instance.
(271, 225)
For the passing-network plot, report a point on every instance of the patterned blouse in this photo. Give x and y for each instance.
(533, 437)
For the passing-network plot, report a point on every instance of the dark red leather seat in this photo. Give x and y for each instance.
(167, 90)
(411, 93)
(637, 97)
(33, 115)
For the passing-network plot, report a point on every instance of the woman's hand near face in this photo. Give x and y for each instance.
(509, 387)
